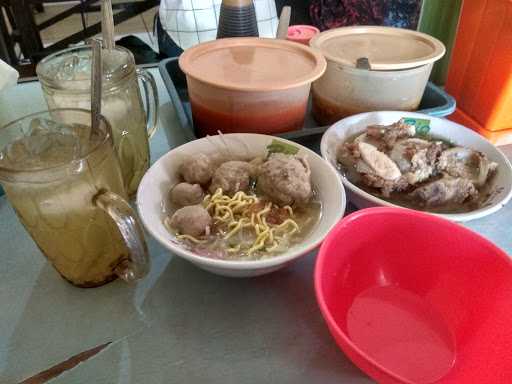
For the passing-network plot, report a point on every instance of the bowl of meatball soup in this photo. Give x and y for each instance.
(240, 204)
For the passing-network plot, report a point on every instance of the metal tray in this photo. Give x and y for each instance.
(435, 102)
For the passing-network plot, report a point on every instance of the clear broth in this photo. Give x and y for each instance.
(306, 216)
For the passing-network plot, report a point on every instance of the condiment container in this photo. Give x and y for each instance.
(302, 33)
(400, 64)
(250, 84)
(237, 18)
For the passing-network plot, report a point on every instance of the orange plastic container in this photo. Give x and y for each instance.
(249, 84)
(480, 74)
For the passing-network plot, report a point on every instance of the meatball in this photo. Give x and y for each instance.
(231, 177)
(192, 220)
(184, 194)
(285, 179)
(197, 169)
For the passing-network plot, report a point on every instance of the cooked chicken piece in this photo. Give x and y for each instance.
(347, 153)
(184, 194)
(379, 162)
(285, 179)
(371, 179)
(416, 158)
(385, 186)
(375, 141)
(193, 220)
(350, 155)
(389, 134)
(468, 164)
(231, 177)
(446, 190)
(197, 169)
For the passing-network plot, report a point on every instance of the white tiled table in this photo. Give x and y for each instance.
(180, 324)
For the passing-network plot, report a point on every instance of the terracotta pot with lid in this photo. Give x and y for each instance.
(400, 62)
(250, 84)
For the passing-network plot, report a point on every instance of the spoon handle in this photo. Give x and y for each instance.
(284, 23)
(107, 24)
(96, 78)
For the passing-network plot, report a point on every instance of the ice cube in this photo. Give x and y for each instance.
(40, 126)
(76, 66)
(46, 144)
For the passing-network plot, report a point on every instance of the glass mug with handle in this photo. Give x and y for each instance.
(64, 181)
(65, 77)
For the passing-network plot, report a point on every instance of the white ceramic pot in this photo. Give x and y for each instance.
(345, 129)
(343, 91)
(401, 61)
(157, 182)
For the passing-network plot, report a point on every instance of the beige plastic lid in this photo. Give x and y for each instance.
(386, 48)
(253, 64)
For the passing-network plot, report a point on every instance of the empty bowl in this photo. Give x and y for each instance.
(414, 298)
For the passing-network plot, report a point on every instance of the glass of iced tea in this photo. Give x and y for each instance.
(66, 80)
(64, 181)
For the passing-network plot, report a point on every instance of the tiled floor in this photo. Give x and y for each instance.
(140, 25)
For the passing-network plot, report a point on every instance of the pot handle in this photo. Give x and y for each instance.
(151, 97)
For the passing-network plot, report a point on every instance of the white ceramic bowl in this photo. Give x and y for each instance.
(163, 175)
(453, 132)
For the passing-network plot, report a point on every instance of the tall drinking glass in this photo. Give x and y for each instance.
(66, 80)
(64, 181)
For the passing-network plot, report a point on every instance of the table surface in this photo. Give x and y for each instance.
(178, 325)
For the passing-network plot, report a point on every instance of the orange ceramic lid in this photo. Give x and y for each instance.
(386, 48)
(252, 64)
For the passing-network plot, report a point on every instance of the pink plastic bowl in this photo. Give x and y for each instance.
(413, 298)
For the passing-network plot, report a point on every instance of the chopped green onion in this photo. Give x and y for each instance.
(278, 146)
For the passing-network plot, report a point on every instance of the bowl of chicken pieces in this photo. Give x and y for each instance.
(240, 204)
(416, 161)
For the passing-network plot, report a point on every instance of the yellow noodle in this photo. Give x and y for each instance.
(259, 243)
(287, 222)
(238, 226)
(234, 249)
(263, 212)
(228, 213)
(232, 224)
(233, 212)
(275, 244)
(239, 196)
(191, 238)
(271, 236)
(289, 209)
